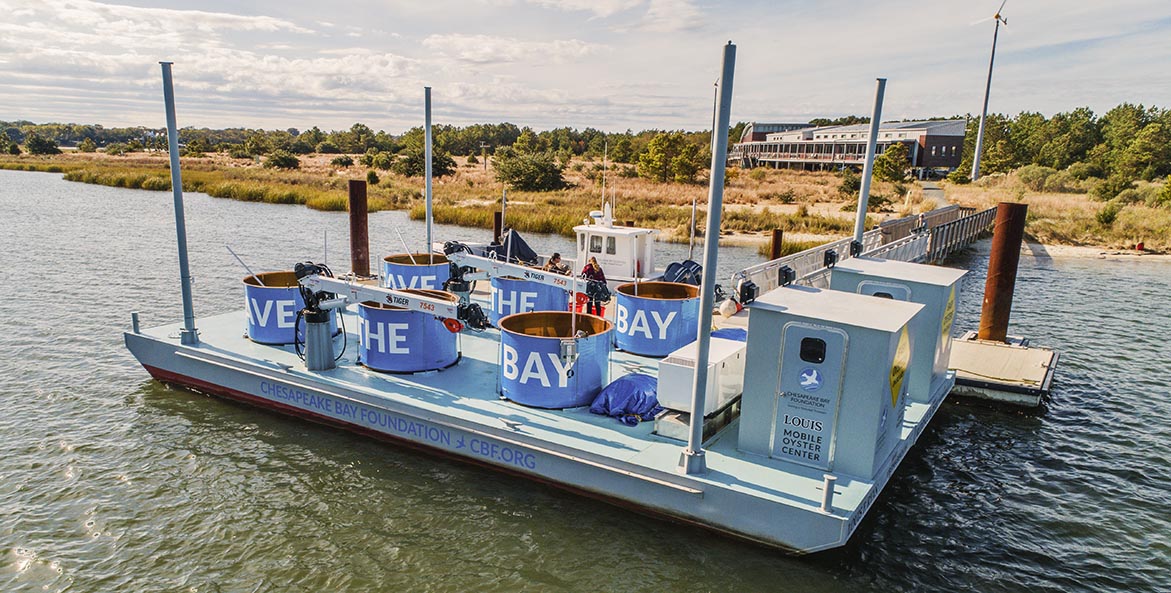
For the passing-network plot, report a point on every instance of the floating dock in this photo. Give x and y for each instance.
(1012, 373)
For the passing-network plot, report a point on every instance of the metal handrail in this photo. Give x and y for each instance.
(928, 243)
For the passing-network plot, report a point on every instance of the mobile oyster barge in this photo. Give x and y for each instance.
(794, 462)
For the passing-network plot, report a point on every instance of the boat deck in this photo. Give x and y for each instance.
(464, 398)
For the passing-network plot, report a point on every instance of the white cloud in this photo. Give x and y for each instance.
(600, 8)
(486, 49)
(669, 16)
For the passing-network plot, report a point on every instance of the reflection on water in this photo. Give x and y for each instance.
(113, 482)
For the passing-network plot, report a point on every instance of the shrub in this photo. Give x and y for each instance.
(1163, 198)
(851, 183)
(1035, 176)
(414, 162)
(1112, 186)
(960, 176)
(472, 160)
(1128, 196)
(237, 151)
(1109, 213)
(1083, 171)
(758, 174)
(372, 178)
(87, 145)
(327, 147)
(281, 159)
(528, 170)
(383, 161)
(35, 144)
(342, 161)
(1062, 182)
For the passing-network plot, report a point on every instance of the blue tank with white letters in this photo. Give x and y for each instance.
(271, 302)
(534, 368)
(513, 295)
(423, 271)
(395, 340)
(655, 318)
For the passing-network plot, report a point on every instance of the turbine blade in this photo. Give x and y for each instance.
(983, 20)
(1001, 7)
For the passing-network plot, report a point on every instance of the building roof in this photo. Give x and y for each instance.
(944, 127)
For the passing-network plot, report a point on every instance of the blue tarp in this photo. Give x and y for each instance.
(731, 333)
(631, 399)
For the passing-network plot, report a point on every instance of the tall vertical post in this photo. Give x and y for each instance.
(359, 229)
(868, 167)
(692, 459)
(189, 336)
(427, 167)
(776, 244)
(1007, 233)
(984, 112)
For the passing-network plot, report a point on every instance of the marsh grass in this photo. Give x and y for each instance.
(759, 200)
(788, 247)
(1071, 218)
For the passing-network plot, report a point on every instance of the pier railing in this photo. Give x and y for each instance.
(951, 237)
(940, 233)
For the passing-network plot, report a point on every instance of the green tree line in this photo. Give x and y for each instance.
(1127, 143)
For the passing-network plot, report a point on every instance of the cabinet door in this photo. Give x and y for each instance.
(813, 362)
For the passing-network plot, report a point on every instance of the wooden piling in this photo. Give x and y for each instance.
(359, 231)
(778, 237)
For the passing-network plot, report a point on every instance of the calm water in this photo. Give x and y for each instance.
(109, 481)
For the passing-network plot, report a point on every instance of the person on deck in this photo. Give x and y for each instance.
(593, 271)
(554, 265)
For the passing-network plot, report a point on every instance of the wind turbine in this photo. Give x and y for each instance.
(987, 90)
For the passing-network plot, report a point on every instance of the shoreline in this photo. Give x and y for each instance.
(729, 237)
(1043, 251)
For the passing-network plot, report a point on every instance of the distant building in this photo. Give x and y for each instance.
(932, 146)
(756, 132)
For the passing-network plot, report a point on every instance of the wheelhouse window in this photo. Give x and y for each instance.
(595, 243)
(611, 247)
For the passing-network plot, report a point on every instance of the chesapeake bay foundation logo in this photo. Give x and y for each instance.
(810, 379)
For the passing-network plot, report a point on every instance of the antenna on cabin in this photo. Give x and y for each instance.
(605, 154)
(987, 90)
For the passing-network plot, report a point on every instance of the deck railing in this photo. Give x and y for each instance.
(930, 242)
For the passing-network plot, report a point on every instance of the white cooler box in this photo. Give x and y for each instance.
(725, 376)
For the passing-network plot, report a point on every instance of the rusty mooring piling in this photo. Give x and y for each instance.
(359, 231)
(1007, 233)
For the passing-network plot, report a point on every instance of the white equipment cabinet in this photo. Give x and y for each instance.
(725, 376)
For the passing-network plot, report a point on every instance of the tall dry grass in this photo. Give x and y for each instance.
(1070, 218)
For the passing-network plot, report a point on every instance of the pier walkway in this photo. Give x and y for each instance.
(926, 238)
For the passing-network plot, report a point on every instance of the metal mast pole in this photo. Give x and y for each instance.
(189, 336)
(868, 167)
(692, 459)
(984, 112)
(427, 166)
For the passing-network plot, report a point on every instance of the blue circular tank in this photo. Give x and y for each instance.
(424, 271)
(533, 371)
(396, 340)
(272, 300)
(513, 295)
(655, 318)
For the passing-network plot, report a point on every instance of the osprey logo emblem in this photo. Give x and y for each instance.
(810, 379)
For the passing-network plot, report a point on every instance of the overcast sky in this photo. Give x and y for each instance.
(610, 64)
